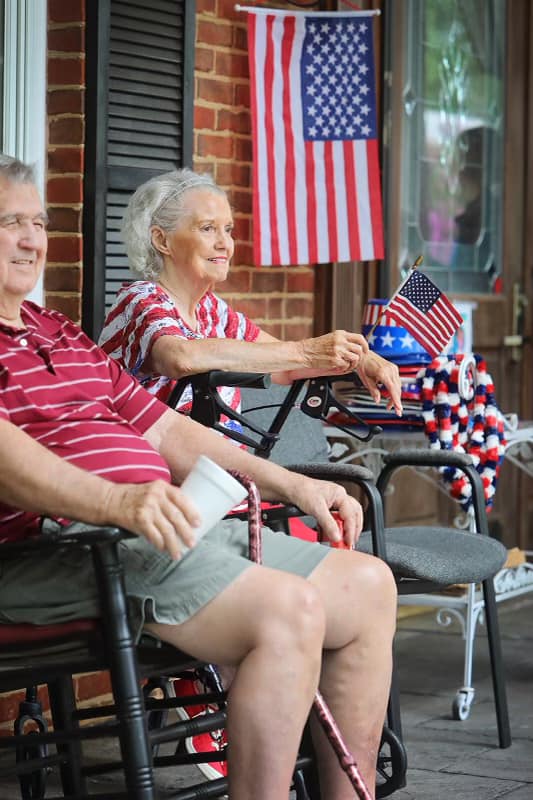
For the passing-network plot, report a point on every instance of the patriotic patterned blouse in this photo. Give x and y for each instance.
(64, 392)
(143, 311)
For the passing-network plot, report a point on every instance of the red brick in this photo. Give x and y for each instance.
(240, 37)
(64, 220)
(295, 331)
(64, 249)
(214, 146)
(66, 71)
(65, 159)
(275, 308)
(62, 279)
(235, 121)
(241, 229)
(232, 65)
(204, 59)
(70, 305)
(233, 174)
(206, 6)
(238, 281)
(65, 130)
(92, 684)
(253, 307)
(65, 101)
(242, 95)
(243, 149)
(245, 255)
(301, 281)
(204, 118)
(9, 705)
(226, 10)
(268, 280)
(59, 11)
(214, 33)
(241, 200)
(215, 91)
(64, 190)
(299, 307)
(66, 40)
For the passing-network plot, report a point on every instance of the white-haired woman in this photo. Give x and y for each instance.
(169, 324)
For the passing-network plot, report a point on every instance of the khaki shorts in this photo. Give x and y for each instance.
(60, 587)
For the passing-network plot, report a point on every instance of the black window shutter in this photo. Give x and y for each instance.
(139, 101)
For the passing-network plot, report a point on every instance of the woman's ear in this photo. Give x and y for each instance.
(159, 239)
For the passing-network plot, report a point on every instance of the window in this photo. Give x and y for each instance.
(140, 61)
(449, 120)
(23, 88)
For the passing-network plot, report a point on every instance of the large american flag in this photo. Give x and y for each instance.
(317, 194)
(428, 315)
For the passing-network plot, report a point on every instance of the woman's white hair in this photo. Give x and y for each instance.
(159, 202)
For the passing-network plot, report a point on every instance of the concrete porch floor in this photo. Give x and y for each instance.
(447, 758)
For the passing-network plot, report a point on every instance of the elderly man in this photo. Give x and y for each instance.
(105, 451)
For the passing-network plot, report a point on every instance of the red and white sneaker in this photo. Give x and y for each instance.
(211, 742)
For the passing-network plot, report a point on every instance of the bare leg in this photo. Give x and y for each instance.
(359, 598)
(270, 625)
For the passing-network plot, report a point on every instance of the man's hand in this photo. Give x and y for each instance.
(375, 371)
(158, 511)
(334, 353)
(317, 498)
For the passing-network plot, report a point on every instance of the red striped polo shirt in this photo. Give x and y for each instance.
(62, 390)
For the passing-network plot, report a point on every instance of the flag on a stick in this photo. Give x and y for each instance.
(428, 315)
(316, 179)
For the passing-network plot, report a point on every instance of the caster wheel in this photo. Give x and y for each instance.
(462, 704)
(391, 766)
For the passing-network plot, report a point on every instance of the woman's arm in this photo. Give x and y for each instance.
(332, 354)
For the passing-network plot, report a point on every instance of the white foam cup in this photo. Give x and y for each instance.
(213, 491)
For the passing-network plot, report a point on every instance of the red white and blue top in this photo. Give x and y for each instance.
(143, 311)
(64, 392)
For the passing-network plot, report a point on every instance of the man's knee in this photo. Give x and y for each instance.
(296, 613)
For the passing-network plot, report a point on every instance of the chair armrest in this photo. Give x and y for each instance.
(439, 458)
(77, 534)
(427, 458)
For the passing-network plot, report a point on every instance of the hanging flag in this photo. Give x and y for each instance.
(428, 315)
(316, 179)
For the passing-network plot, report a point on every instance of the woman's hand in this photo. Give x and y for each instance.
(334, 353)
(375, 371)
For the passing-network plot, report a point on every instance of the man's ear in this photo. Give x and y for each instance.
(159, 239)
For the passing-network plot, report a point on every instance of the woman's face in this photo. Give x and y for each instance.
(201, 245)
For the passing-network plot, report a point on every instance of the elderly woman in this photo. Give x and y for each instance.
(170, 323)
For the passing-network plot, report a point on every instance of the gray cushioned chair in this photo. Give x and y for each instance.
(423, 558)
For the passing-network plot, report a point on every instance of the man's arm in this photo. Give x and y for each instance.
(180, 441)
(33, 478)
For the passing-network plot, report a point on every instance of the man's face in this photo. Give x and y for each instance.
(23, 240)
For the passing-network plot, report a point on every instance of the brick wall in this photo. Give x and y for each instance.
(280, 299)
(64, 188)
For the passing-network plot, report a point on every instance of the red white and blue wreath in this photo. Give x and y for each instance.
(452, 422)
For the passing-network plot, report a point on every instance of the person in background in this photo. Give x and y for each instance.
(111, 453)
(177, 230)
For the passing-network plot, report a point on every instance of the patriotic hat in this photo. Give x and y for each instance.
(390, 340)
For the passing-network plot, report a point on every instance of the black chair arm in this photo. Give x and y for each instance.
(77, 534)
(439, 458)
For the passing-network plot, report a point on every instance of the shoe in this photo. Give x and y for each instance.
(211, 742)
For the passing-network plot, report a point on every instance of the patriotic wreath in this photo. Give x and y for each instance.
(453, 422)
